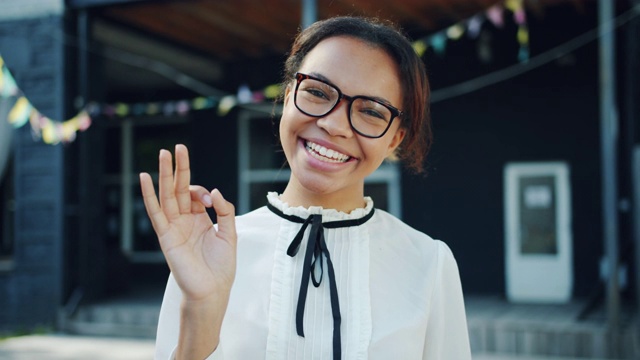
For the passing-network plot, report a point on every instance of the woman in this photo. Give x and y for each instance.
(355, 94)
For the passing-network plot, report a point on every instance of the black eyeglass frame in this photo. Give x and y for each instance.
(394, 111)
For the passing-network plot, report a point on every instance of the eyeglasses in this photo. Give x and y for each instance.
(367, 116)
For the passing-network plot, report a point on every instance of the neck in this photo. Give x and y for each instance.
(345, 201)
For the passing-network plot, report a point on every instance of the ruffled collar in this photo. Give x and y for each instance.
(327, 214)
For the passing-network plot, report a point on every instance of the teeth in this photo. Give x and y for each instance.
(322, 153)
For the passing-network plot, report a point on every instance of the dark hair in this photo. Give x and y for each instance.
(413, 78)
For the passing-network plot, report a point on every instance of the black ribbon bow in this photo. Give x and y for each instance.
(316, 248)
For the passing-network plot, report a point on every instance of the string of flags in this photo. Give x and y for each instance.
(55, 132)
(472, 26)
(22, 112)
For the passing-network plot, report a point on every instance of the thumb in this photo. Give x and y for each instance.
(226, 216)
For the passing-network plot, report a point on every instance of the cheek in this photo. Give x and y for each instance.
(379, 149)
(374, 150)
(284, 137)
(281, 126)
(285, 127)
(290, 120)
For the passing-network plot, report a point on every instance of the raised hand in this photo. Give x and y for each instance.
(201, 258)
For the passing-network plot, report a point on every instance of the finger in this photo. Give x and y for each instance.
(200, 194)
(226, 216)
(197, 207)
(200, 199)
(182, 179)
(168, 201)
(158, 220)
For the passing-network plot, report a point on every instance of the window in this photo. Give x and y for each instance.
(133, 146)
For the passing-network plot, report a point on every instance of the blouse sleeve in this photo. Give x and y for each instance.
(169, 325)
(447, 335)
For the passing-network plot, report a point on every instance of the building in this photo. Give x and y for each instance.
(74, 230)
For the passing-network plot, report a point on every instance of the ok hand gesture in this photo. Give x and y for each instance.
(202, 258)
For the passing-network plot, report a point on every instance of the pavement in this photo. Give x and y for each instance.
(75, 347)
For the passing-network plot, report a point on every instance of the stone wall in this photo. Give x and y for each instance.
(31, 285)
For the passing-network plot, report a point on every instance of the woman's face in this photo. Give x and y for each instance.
(328, 160)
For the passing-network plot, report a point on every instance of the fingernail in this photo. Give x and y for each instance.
(207, 200)
(219, 193)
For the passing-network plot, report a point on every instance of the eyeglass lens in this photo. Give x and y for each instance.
(367, 116)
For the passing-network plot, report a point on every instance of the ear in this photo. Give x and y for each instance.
(396, 140)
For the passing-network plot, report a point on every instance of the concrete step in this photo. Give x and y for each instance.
(494, 356)
(576, 341)
(132, 315)
(549, 330)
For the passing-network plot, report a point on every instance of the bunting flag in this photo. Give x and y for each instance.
(55, 132)
(496, 15)
(474, 25)
(20, 112)
(8, 86)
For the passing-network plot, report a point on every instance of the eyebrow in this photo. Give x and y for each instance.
(325, 79)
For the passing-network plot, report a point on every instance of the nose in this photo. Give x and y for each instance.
(336, 122)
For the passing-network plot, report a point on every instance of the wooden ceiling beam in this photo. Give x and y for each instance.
(179, 27)
(213, 18)
(175, 34)
(254, 22)
(236, 41)
(417, 13)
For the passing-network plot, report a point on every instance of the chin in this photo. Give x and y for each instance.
(317, 186)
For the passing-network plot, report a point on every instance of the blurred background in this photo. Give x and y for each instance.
(533, 179)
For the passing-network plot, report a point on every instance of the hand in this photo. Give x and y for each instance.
(201, 258)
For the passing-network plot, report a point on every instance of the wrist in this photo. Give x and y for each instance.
(200, 325)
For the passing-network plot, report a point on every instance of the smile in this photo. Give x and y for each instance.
(322, 153)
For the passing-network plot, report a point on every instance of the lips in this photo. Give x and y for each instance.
(324, 154)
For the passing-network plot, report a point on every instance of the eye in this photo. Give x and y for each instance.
(316, 93)
(371, 110)
(373, 113)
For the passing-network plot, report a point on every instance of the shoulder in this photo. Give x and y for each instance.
(387, 228)
(392, 226)
(258, 214)
(260, 220)
(257, 217)
(402, 255)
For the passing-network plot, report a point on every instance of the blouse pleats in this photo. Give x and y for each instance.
(350, 261)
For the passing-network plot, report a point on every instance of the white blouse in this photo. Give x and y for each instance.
(398, 291)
